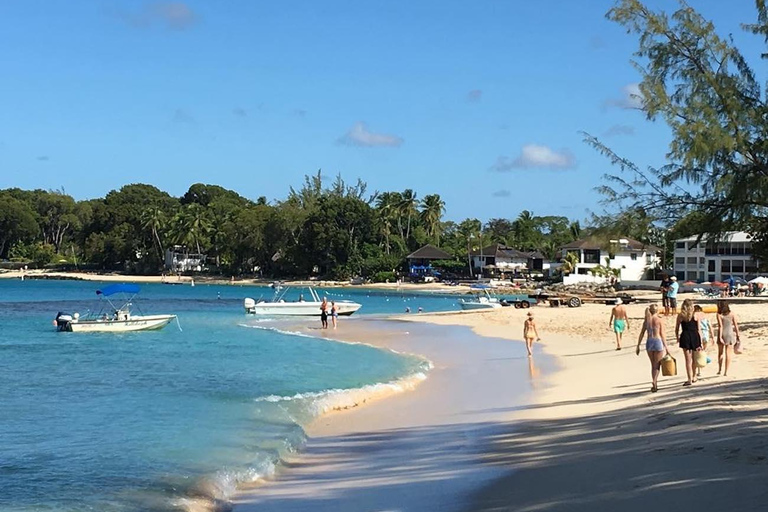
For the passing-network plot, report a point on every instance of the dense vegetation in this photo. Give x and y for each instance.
(704, 88)
(338, 230)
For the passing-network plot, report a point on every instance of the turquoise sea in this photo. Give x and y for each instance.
(152, 421)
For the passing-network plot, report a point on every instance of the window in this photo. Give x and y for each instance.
(725, 266)
(747, 248)
(648, 259)
(702, 261)
(591, 255)
(633, 256)
(711, 267)
(693, 261)
(692, 276)
(710, 277)
(737, 266)
(679, 261)
(583, 271)
(680, 245)
(750, 267)
(692, 245)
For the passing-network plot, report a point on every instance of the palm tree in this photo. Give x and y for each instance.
(154, 220)
(432, 209)
(191, 226)
(407, 207)
(569, 262)
(387, 211)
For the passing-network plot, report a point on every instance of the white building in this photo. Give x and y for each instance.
(730, 255)
(500, 259)
(635, 259)
(177, 260)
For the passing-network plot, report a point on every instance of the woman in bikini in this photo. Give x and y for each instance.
(727, 335)
(530, 334)
(655, 345)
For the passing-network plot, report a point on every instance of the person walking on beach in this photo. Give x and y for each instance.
(688, 334)
(727, 336)
(655, 345)
(530, 333)
(672, 294)
(334, 313)
(324, 313)
(664, 288)
(706, 332)
(618, 321)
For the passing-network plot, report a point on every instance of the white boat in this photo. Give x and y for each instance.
(279, 306)
(118, 319)
(480, 299)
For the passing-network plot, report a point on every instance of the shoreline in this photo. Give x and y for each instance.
(592, 427)
(458, 403)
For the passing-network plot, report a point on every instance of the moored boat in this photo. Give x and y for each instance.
(279, 306)
(481, 299)
(115, 319)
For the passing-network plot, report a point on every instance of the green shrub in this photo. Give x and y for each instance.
(384, 276)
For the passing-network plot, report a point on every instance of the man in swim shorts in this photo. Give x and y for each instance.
(619, 321)
(672, 294)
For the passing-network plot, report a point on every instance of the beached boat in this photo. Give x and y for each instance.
(481, 299)
(280, 306)
(113, 318)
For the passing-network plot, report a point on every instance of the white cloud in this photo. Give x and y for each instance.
(536, 156)
(502, 193)
(360, 136)
(631, 98)
(474, 96)
(619, 129)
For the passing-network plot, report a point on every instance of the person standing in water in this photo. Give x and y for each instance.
(727, 335)
(688, 334)
(334, 313)
(619, 321)
(530, 333)
(324, 313)
(655, 345)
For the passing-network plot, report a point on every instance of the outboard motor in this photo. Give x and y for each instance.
(62, 321)
(249, 304)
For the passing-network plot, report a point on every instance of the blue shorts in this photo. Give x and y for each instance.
(654, 345)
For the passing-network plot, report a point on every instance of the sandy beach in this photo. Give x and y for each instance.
(590, 436)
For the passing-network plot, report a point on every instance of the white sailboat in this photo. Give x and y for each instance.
(279, 306)
(117, 319)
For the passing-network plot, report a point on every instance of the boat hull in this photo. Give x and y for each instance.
(136, 323)
(299, 308)
(470, 306)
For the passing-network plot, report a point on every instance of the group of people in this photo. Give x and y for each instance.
(693, 334)
(326, 310)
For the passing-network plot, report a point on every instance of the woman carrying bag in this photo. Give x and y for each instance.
(655, 345)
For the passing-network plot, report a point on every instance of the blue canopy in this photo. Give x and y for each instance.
(118, 288)
(479, 286)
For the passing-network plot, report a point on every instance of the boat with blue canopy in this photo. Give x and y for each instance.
(111, 317)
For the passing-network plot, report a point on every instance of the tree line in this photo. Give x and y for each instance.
(335, 230)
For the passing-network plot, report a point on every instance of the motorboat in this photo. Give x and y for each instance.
(113, 318)
(309, 306)
(480, 299)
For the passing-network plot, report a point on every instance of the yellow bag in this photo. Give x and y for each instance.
(700, 358)
(668, 366)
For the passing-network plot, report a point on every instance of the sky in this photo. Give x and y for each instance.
(483, 102)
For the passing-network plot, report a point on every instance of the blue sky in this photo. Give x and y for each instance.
(481, 102)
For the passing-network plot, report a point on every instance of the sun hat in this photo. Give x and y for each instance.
(673, 278)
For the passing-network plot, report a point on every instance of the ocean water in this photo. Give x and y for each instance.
(163, 420)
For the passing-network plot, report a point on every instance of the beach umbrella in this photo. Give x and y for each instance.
(689, 283)
(707, 283)
(719, 284)
(761, 280)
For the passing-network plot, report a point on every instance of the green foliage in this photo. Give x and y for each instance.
(384, 277)
(703, 87)
(17, 223)
(39, 253)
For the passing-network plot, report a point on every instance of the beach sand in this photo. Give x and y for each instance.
(591, 437)
(419, 450)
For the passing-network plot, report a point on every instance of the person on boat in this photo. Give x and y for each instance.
(727, 336)
(530, 333)
(655, 345)
(618, 321)
(334, 313)
(301, 297)
(688, 334)
(324, 313)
